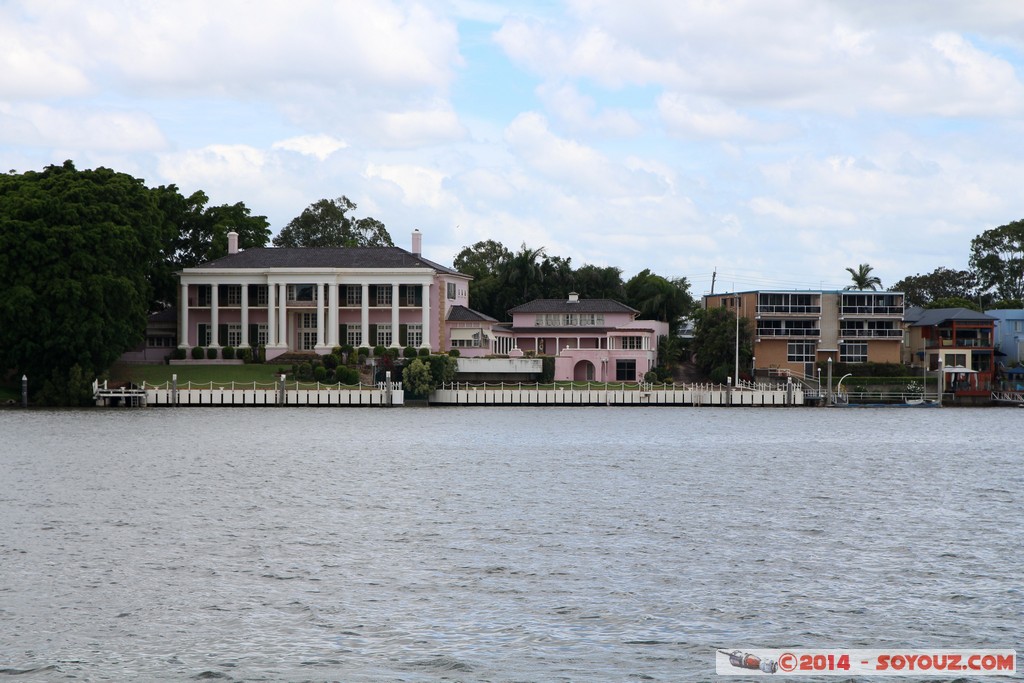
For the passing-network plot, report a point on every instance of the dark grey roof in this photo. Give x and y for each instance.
(326, 257)
(937, 316)
(580, 306)
(462, 314)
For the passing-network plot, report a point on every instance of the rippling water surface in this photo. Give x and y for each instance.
(489, 544)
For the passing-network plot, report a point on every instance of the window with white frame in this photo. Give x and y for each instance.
(632, 342)
(414, 335)
(451, 290)
(853, 353)
(301, 293)
(307, 321)
(384, 334)
(383, 295)
(234, 334)
(160, 342)
(203, 334)
(262, 335)
(354, 336)
(232, 295)
(257, 295)
(800, 352)
(353, 295)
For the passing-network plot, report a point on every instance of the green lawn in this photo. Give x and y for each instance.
(203, 374)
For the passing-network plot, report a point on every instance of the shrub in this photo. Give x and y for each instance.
(378, 351)
(229, 353)
(347, 375)
(246, 354)
(347, 349)
(331, 361)
(547, 369)
(261, 354)
(211, 353)
(454, 353)
(304, 371)
(409, 352)
(198, 353)
(320, 373)
(651, 377)
(179, 353)
(424, 351)
(363, 352)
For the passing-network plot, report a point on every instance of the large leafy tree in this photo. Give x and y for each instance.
(862, 278)
(941, 283)
(998, 257)
(484, 262)
(328, 223)
(659, 298)
(596, 282)
(200, 234)
(522, 277)
(77, 249)
(714, 342)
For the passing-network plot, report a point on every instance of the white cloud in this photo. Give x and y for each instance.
(420, 186)
(416, 127)
(319, 146)
(701, 118)
(79, 128)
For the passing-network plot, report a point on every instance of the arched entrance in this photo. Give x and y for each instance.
(584, 371)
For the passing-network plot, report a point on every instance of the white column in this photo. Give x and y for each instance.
(183, 320)
(426, 316)
(282, 315)
(364, 320)
(320, 317)
(271, 320)
(332, 315)
(214, 315)
(245, 316)
(394, 315)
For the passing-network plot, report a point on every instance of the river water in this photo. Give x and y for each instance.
(497, 544)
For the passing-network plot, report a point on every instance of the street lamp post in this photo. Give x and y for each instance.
(828, 400)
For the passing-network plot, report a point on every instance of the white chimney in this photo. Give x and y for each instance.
(232, 242)
(574, 298)
(417, 243)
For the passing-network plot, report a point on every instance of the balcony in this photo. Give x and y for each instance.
(873, 311)
(787, 309)
(788, 332)
(968, 343)
(858, 333)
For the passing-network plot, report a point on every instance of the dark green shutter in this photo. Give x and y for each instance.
(201, 334)
(403, 335)
(222, 335)
(342, 334)
(372, 341)
(254, 333)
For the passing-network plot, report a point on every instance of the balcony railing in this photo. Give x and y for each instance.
(959, 343)
(872, 310)
(852, 333)
(784, 309)
(789, 332)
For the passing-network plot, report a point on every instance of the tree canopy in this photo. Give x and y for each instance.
(714, 342)
(327, 223)
(862, 278)
(997, 255)
(77, 250)
(941, 283)
(658, 298)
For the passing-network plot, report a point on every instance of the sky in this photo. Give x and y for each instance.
(772, 144)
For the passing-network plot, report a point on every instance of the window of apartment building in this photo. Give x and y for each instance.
(384, 334)
(800, 352)
(451, 290)
(632, 342)
(625, 370)
(301, 293)
(383, 295)
(1018, 325)
(410, 295)
(230, 295)
(354, 336)
(853, 353)
(257, 295)
(414, 335)
(956, 360)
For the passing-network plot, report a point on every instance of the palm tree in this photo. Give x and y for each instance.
(863, 279)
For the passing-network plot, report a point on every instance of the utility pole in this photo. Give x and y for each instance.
(714, 274)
